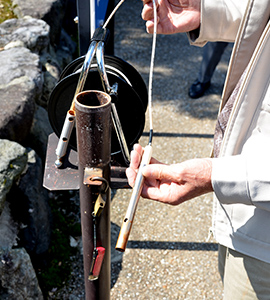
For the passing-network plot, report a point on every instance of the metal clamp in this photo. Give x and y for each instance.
(93, 176)
(101, 199)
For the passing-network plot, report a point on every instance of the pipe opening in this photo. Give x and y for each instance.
(93, 98)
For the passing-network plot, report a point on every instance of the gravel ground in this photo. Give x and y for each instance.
(168, 255)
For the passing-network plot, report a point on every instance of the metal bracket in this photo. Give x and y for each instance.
(93, 176)
(90, 173)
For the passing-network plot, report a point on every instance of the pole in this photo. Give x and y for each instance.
(92, 17)
(93, 128)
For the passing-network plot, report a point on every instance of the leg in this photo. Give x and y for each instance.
(212, 53)
(244, 277)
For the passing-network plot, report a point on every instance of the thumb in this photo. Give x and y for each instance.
(157, 172)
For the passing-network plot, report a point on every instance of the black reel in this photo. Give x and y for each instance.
(131, 102)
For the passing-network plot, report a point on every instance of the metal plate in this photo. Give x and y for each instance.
(64, 178)
(67, 177)
(130, 107)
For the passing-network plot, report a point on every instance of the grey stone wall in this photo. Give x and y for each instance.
(33, 50)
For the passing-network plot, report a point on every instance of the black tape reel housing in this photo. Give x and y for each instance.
(131, 103)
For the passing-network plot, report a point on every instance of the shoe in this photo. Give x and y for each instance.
(198, 89)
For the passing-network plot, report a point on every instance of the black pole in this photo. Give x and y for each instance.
(93, 129)
(83, 10)
(109, 49)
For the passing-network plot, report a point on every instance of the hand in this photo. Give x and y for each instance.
(172, 184)
(173, 15)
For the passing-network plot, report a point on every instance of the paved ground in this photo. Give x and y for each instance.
(168, 256)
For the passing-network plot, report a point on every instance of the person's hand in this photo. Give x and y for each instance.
(173, 15)
(172, 184)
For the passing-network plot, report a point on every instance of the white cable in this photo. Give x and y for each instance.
(147, 154)
(112, 13)
(150, 85)
(151, 71)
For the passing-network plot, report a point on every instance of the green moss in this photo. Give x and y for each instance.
(6, 10)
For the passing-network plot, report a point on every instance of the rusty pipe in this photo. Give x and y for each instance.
(93, 130)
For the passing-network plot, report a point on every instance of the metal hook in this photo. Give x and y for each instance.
(104, 181)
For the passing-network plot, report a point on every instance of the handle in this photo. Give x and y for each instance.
(137, 189)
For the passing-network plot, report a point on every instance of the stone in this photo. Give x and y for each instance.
(17, 112)
(21, 84)
(51, 74)
(40, 131)
(31, 32)
(51, 11)
(19, 63)
(36, 232)
(33, 51)
(8, 230)
(18, 279)
(66, 49)
(13, 159)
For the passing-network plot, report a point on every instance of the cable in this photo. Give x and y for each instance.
(151, 71)
(147, 154)
(112, 13)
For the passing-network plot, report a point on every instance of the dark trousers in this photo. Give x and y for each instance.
(212, 53)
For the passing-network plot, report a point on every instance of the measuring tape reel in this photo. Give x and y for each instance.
(131, 103)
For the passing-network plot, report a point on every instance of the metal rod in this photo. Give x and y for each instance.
(115, 118)
(85, 69)
(101, 67)
(133, 203)
(93, 126)
(120, 134)
(70, 116)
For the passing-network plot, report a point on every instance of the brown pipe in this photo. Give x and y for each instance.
(93, 128)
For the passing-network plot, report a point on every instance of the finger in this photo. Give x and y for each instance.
(131, 176)
(147, 11)
(146, 1)
(150, 26)
(159, 172)
(136, 156)
(153, 192)
(131, 172)
(138, 148)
